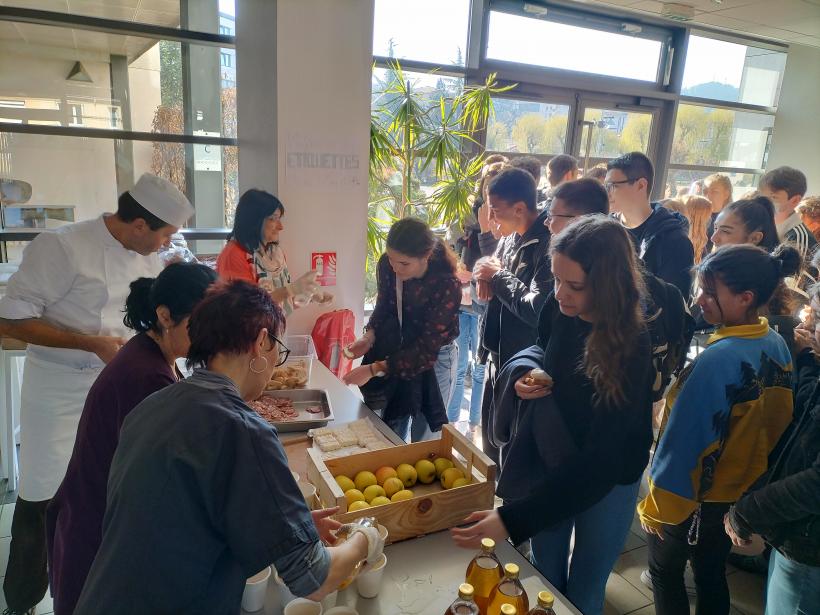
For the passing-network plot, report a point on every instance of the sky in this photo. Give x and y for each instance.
(433, 30)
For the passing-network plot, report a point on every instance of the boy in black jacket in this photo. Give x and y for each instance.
(519, 279)
(660, 236)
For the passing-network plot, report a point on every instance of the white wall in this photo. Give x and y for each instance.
(322, 88)
(796, 140)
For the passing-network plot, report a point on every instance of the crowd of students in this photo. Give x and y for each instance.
(572, 288)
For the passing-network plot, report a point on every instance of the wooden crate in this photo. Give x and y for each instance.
(432, 508)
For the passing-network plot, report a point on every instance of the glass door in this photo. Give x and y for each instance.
(606, 131)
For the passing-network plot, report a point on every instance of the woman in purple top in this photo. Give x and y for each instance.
(158, 310)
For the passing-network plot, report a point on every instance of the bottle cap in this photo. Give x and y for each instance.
(508, 609)
(511, 570)
(465, 591)
(545, 599)
(487, 544)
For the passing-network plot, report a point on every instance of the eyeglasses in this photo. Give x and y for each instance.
(610, 186)
(550, 216)
(284, 351)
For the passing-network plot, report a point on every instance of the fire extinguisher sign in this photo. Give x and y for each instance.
(324, 263)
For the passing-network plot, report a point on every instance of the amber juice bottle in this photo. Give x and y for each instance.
(484, 573)
(544, 606)
(464, 604)
(508, 591)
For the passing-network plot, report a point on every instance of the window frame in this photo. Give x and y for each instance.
(127, 28)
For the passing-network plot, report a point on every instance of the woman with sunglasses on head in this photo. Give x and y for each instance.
(723, 417)
(158, 309)
(200, 496)
(253, 253)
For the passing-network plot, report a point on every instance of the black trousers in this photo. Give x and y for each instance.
(667, 561)
(26, 579)
(490, 378)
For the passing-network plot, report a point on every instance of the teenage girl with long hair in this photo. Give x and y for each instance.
(699, 214)
(723, 417)
(597, 350)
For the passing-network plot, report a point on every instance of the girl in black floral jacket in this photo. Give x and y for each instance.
(417, 279)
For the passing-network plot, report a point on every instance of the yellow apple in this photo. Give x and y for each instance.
(441, 463)
(380, 501)
(460, 482)
(404, 494)
(383, 473)
(345, 483)
(449, 476)
(392, 485)
(407, 474)
(373, 491)
(354, 495)
(364, 479)
(358, 505)
(426, 471)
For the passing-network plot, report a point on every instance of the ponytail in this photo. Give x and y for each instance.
(179, 288)
(743, 268)
(140, 312)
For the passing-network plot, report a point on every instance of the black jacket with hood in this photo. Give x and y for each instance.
(663, 245)
(784, 504)
(520, 290)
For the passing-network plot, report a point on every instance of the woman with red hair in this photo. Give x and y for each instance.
(200, 496)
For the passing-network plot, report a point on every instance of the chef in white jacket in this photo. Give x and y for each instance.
(66, 300)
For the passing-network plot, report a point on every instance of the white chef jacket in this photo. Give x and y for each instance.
(74, 278)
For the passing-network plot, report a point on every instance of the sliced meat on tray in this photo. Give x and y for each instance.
(277, 409)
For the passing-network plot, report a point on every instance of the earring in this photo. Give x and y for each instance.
(255, 371)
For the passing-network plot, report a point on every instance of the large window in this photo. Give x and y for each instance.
(66, 94)
(731, 134)
(732, 72)
(516, 38)
(432, 31)
(527, 127)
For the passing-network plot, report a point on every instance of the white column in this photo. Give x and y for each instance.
(309, 143)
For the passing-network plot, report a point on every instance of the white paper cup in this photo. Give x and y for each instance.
(253, 598)
(369, 581)
(303, 606)
(342, 610)
(285, 595)
(309, 493)
(329, 601)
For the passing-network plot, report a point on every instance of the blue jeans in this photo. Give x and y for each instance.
(600, 534)
(792, 588)
(467, 348)
(445, 369)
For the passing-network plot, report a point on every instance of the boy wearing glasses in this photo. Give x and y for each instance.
(659, 235)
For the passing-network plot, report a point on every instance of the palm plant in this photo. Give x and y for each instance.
(424, 156)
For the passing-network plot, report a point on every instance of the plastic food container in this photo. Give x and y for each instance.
(302, 352)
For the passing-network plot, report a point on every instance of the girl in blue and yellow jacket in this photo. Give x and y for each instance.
(723, 418)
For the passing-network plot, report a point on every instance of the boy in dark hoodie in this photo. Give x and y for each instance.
(519, 279)
(660, 235)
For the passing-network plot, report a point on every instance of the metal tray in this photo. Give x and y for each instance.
(302, 398)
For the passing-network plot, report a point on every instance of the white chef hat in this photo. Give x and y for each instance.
(163, 199)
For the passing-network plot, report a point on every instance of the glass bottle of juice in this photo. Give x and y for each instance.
(508, 591)
(484, 573)
(464, 604)
(545, 602)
